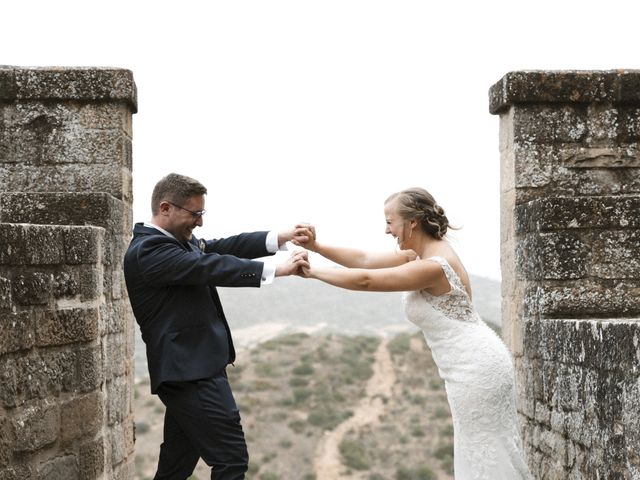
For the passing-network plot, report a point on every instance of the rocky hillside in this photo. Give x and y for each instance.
(329, 407)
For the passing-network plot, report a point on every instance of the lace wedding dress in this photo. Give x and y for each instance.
(479, 378)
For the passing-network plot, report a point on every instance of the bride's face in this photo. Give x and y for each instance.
(397, 226)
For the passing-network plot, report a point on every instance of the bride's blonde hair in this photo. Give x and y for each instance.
(418, 204)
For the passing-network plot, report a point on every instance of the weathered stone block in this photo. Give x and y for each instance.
(16, 331)
(62, 467)
(92, 459)
(36, 426)
(602, 124)
(544, 124)
(33, 288)
(83, 244)
(5, 294)
(629, 124)
(565, 87)
(64, 83)
(542, 414)
(47, 140)
(125, 470)
(118, 395)
(112, 179)
(115, 116)
(616, 254)
(8, 382)
(118, 444)
(30, 244)
(533, 166)
(115, 359)
(6, 442)
(559, 213)
(113, 321)
(558, 255)
(89, 370)
(41, 374)
(610, 157)
(59, 327)
(17, 472)
(63, 208)
(588, 298)
(81, 416)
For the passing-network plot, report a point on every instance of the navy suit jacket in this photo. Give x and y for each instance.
(172, 290)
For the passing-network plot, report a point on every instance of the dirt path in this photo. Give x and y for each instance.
(327, 460)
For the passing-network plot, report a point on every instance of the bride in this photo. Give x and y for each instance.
(473, 361)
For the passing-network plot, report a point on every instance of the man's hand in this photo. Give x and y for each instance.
(299, 234)
(294, 264)
(305, 236)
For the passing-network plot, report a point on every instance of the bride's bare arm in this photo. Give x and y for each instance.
(409, 276)
(352, 257)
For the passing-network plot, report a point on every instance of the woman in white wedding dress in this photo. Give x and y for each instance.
(473, 361)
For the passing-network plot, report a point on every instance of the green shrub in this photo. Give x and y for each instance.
(266, 370)
(298, 382)
(354, 455)
(444, 451)
(327, 418)
(422, 473)
(300, 395)
(269, 476)
(441, 412)
(400, 344)
(447, 431)
(303, 369)
(297, 426)
(285, 444)
(262, 385)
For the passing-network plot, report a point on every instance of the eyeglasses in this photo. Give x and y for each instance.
(195, 215)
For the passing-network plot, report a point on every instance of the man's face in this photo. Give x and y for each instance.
(180, 220)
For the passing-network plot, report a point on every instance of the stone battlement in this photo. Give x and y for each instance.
(66, 336)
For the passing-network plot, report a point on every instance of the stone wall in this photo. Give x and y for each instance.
(570, 248)
(66, 331)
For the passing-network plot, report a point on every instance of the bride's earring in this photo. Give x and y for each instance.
(410, 233)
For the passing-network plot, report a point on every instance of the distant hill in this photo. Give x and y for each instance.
(295, 304)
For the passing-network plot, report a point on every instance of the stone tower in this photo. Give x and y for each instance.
(570, 189)
(66, 331)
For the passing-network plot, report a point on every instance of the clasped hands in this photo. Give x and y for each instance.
(302, 235)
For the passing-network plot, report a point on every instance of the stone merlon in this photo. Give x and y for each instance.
(565, 86)
(66, 83)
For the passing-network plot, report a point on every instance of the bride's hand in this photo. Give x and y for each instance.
(305, 236)
(305, 272)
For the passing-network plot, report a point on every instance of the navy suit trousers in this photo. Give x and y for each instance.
(201, 421)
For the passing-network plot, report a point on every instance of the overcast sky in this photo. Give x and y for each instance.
(316, 111)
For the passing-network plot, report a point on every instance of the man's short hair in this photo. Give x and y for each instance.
(176, 189)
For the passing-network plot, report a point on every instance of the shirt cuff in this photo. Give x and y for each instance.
(272, 243)
(268, 274)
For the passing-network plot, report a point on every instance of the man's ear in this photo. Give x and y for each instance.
(164, 208)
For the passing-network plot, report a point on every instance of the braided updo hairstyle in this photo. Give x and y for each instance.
(418, 204)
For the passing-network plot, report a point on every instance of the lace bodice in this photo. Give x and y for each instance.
(456, 303)
(479, 378)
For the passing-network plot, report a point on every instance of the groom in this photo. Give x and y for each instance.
(171, 278)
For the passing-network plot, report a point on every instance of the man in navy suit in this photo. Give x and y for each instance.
(171, 278)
